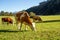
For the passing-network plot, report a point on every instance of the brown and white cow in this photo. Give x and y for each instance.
(23, 17)
(37, 18)
(7, 19)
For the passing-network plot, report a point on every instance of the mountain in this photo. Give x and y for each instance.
(49, 7)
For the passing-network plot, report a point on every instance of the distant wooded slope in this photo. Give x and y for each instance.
(49, 7)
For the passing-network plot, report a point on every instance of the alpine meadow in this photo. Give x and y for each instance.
(46, 30)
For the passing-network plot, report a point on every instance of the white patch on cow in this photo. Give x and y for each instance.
(19, 26)
(34, 26)
(26, 28)
(13, 23)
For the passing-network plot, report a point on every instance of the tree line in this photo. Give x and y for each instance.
(2, 13)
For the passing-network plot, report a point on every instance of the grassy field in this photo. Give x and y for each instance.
(46, 30)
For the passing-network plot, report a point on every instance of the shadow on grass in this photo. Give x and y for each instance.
(13, 31)
(8, 31)
(49, 21)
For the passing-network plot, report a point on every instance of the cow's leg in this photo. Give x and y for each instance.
(7, 23)
(16, 23)
(20, 26)
(33, 26)
(13, 23)
(2, 22)
(26, 27)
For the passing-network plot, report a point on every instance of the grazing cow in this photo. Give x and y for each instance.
(23, 17)
(37, 18)
(7, 19)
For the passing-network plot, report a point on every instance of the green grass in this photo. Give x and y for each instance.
(45, 30)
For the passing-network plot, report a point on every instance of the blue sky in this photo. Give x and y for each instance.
(17, 5)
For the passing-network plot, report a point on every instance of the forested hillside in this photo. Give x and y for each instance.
(49, 7)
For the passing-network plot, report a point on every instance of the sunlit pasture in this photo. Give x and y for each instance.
(49, 29)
